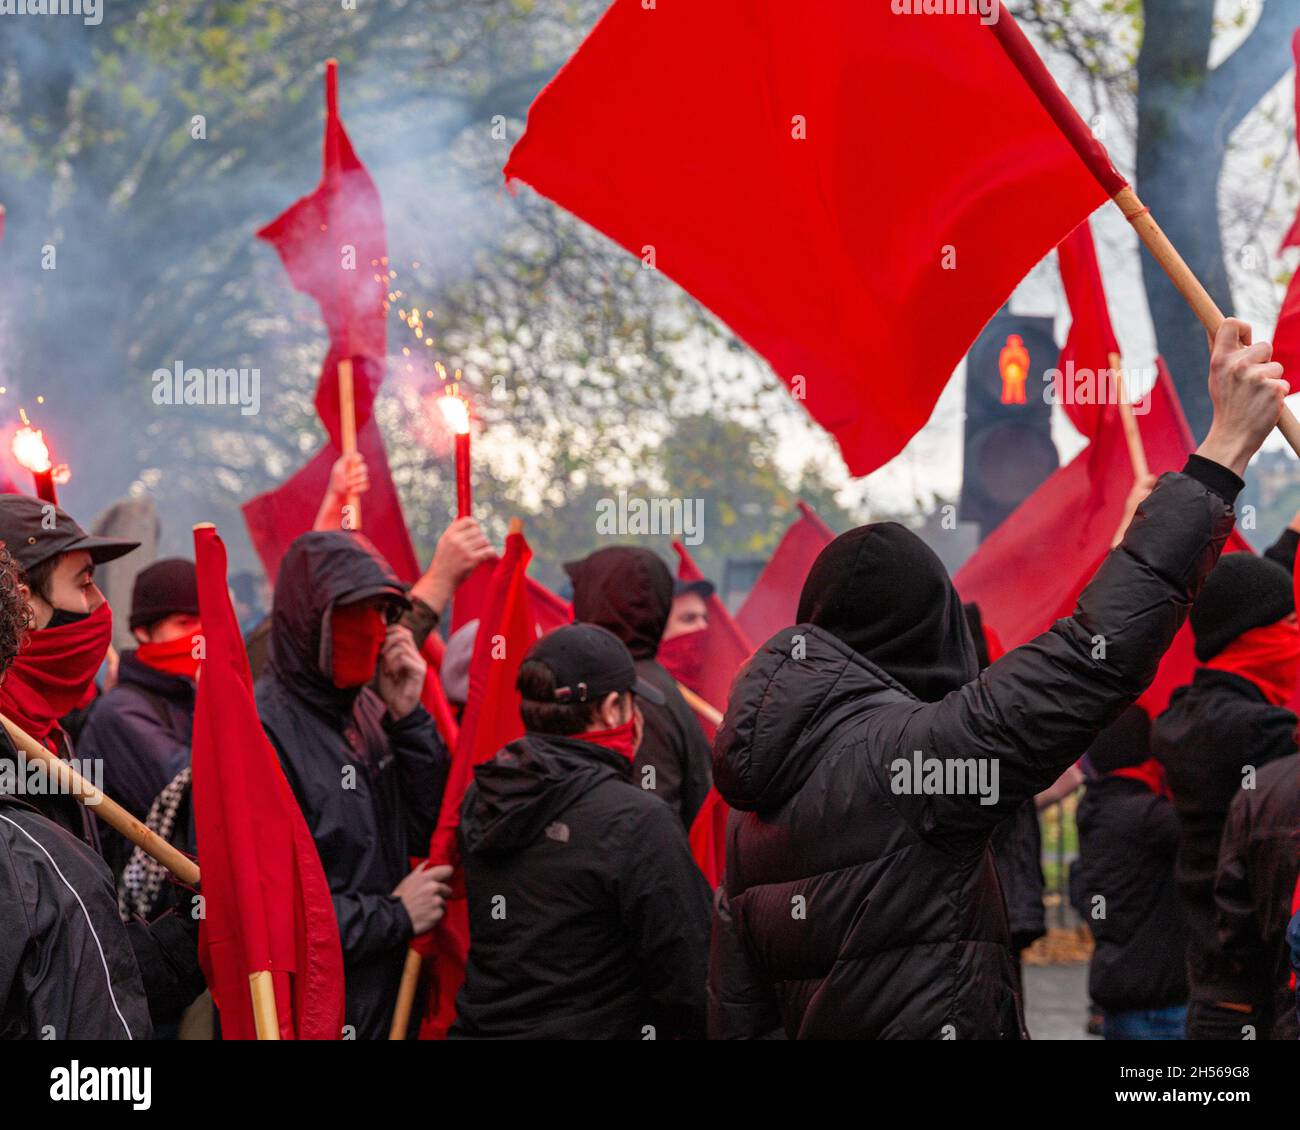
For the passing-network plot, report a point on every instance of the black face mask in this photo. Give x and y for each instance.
(62, 617)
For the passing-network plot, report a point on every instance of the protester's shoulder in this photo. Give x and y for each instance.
(31, 841)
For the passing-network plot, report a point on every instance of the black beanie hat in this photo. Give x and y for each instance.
(1126, 742)
(1242, 592)
(165, 588)
(881, 590)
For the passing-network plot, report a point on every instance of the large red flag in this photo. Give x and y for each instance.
(854, 192)
(1091, 342)
(491, 720)
(267, 903)
(333, 246)
(1292, 237)
(773, 602)
(1030, 571)
(1286, 337)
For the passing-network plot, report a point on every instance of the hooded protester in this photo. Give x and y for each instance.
(588, 917)
(1253, 899)
(629, 591)
(366, 764)
(141, 728)
(868, 764)
(67, 968)
(1230, 721)
(1128, 837)
(1017, 842)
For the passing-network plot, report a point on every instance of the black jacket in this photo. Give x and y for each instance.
(862, 910)
(67, 969)
(369, 787)
(141, 730)
(1128, 837)
(1258, 865)
(588, 917)
(1017, 845)
(629, 591)
(1212, 729)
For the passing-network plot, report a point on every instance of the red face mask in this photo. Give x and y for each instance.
(622, 739)
(683, 657)
(175, 657)
(1269, 657)
(357, 634)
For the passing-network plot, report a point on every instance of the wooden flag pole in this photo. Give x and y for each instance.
(348, 433)
(1133, 437)
(1188, 285)
(704, 709)
(266, 1017)
(406, 995)
(108, 810)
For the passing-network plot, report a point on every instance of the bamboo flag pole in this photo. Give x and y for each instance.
(1188, 285)
(706, 710)
(348, 434)
(1133, 437)
(266, 1017)
(108, 810)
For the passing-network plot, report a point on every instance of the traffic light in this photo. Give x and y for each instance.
(1009, 449)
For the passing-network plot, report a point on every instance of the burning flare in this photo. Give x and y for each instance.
(455, 411)
(30, 450)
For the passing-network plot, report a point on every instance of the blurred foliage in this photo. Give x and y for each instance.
(580, 364)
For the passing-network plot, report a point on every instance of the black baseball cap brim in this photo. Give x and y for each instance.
(102, 549)
(589, 662)
(650, 693)
(702, 588)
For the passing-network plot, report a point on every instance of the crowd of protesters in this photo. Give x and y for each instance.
(859, 900)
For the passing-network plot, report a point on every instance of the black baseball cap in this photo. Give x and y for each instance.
(704, 589)
(32, 538)
(589, 662)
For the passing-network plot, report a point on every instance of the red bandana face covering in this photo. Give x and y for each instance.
(683, 656)
(1269, 657)
(357, 636)
(55, 672)
(621, 739)
(175, 657)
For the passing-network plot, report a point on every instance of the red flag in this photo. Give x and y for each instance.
(333, 245)
(1292, 237)
(1091, 342)
(490, 721)
(267, 902)
(433, 696)
(1286, 337)
(1030, 571)
(545, 608)
(773, 602)
(856, 193)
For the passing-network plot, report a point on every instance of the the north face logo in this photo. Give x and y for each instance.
(558, 832)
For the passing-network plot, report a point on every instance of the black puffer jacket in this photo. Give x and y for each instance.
(863, 911)
(629, 591)
(1213, 728)
(67, 970)
(1128, 837)
(368, 786)
(1259, 860)
(588, 918)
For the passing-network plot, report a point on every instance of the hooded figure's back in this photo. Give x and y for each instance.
(867, 766)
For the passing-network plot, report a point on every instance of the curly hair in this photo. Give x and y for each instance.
(15, 612)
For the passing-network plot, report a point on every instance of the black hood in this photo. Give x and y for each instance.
(881, 590)
(629, 591)
(318, 571)
(527, 785)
